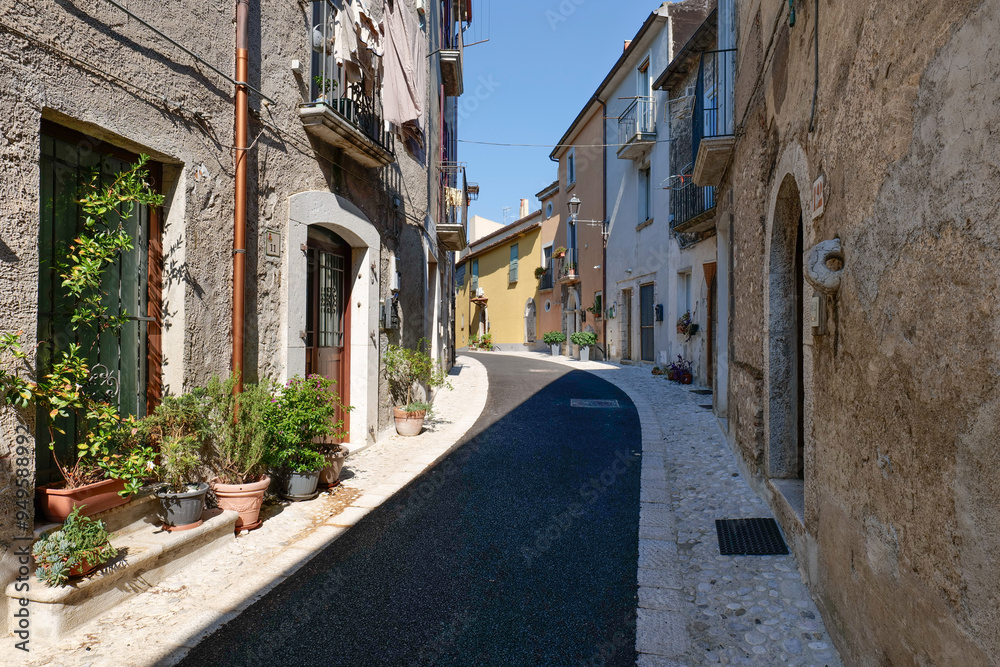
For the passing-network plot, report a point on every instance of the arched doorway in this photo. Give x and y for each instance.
(325, 219)
(529, 322)
(785, 405)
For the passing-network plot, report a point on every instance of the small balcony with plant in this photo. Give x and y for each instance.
(544, 276)
(345, 100)
(566, 265)
(637, 129)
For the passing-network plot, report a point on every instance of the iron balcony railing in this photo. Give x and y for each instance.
(713, 113)
(357, 102)
(638, 119)
(690, 201)
(546, 281)
(453, 199)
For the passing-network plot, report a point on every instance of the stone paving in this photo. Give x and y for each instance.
(161, 624)
(696, 607)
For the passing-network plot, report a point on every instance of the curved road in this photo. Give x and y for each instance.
(518, 548)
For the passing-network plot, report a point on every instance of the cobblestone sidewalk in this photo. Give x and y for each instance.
(696, 607)
(159, 626)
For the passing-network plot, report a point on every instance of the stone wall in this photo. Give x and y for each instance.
(896, 532)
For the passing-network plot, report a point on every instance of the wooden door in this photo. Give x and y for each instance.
(627, 328)
(327, 314)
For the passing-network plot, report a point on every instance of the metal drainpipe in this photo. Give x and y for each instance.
(604, 217)
(240, 207)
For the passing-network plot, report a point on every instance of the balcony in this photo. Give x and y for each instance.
(345, 114)
(452, 49)
(453, 207)
(637, 129)
(692, 208)
(566, 267)
(546, 282)
(713, 116)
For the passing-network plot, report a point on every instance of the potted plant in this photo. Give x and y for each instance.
(559, 252)
(540, 271)
(554, 339)
(323, 86)
(240, 447)
(76, 549)
(686, 325)
(680, 371)
(180, 430)
(585, 339)
(405, 368)
(474, 343)
(302, 414)
(108, 465)
(569, 269)
(486, 342)
(597, 308)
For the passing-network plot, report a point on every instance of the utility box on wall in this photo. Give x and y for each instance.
(658, 312)
(388, 317)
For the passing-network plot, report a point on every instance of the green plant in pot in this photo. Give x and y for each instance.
(180, 429)
(554, 339)
(304, 421)
(76, 549)
(240, 446)
(585, 340)
(404, 369)
(106, 464)
(540, 271)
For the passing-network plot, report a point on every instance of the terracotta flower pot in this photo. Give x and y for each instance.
(243, 498)
(56, 504)
(686, 378)
(80, 571)
(330, 475)
(409, 423)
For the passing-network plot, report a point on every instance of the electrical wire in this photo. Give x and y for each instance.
(506, 145)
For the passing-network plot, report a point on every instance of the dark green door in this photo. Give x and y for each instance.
(119, 363)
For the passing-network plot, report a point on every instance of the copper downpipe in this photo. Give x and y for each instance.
(240, 222)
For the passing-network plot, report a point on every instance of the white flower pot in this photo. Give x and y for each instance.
(555, 349)
(584, 354)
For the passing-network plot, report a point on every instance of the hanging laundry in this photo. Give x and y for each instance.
(405, 65)
(454, 197)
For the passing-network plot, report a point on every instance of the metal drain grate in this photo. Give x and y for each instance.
(592, 403)
(750, 537)
(702, 392)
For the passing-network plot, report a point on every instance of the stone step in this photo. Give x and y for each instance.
(147, 555)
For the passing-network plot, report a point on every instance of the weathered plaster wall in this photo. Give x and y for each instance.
(900, 502)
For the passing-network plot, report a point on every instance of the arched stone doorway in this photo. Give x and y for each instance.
(347, 223)
(785, 412)
(529, 322)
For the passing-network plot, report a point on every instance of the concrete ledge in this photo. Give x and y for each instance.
(147, 555)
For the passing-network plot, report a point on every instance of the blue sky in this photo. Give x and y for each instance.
(542, 63)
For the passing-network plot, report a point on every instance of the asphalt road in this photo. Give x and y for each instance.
(518, 548)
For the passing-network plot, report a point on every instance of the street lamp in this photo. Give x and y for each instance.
(574, 207)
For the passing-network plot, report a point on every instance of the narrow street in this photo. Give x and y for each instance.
(518, 548)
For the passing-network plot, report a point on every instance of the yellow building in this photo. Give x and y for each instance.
(498, 287)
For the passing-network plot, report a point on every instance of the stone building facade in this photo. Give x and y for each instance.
(860, 188)
(332, 187)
